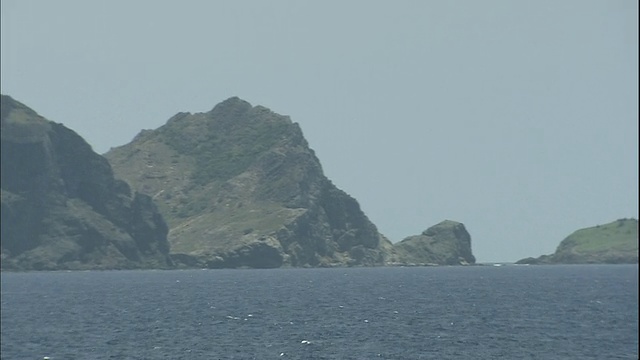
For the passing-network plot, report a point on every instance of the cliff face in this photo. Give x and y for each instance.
(612, 243)
(62, 207)
(447, 243)
(240, 187)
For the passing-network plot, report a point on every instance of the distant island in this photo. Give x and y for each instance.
(234, 187)
(612, 243)
(240, 187)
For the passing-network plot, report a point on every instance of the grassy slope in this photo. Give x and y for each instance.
(620, 235)
(190, 167)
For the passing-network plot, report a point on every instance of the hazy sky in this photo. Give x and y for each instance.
(517, 118)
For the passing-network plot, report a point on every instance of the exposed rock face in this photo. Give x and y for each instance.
(613, 243)
(447, 243)
(62, 207)
(240, 187)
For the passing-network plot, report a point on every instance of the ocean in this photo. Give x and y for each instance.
(474, 312)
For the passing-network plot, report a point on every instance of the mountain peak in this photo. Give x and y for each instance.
(233, 105)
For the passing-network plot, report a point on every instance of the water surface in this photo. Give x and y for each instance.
(479, 312)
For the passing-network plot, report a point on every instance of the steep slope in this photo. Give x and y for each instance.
(612, 243)
(240, 187)
(62, 207)
(446, 243)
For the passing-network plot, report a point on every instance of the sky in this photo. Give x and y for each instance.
(517, 118)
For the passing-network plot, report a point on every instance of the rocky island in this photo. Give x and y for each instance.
(612, 243)
(61, 206)
(237, 186)
(447, 243)
(240, 187)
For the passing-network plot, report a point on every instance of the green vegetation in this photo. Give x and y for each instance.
(613, 243)
(222, 147)
(620, 235)
(224, 157)
(229, 225)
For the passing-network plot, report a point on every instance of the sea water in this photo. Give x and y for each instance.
(475, 312)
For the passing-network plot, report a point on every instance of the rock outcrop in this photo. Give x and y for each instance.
(62, 208)
(240, 187)
(613, 243)
(447, 243)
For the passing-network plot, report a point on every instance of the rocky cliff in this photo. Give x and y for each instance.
(612, 243)
(240, 187)
(446, 243)
(62, 207)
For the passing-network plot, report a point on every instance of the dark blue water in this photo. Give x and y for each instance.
(481, 312)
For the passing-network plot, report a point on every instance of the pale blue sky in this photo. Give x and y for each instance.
(517, 118)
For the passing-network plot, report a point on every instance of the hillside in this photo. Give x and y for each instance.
(239, 186)
(61, 206)
(612, 243)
